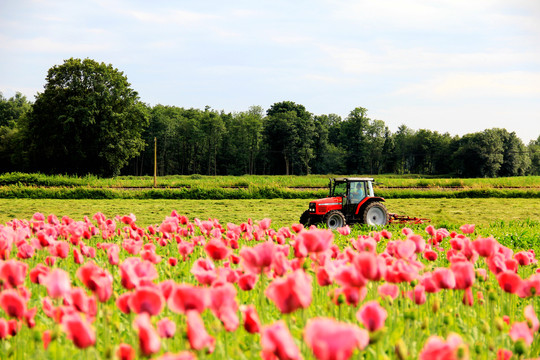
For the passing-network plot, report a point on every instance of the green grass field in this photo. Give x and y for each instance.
(442, 212)
(410, 180)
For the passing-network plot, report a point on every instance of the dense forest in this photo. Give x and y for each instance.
(92, 122)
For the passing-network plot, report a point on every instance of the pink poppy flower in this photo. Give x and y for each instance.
(78, 330)
(290, 292)
(430, 255)
(166, 328)
(485, 247)
(12, 303)
(347, 275)
(370, 265)
(418, 295)
(224, 306)
(468, 298)
(25, 251)
(277, 343)
(258, 258)
(196, 333)
(463, 273)
(247, 281)
(98, 280)
(252, 324)
(467, 228)
(387, 289)
(372, 315)
(503, 354)
(345, 230)
(185, 297)
(521, 330)
(57, 282)
(13, 272)
(332, 340)
(405, 249)
(419, 242)
(509, 281)
(79, 300)
(531, 317)
(122, 303)
(444, 278)
(149, 341)
(38, 272)
(133, 270)
(436, 348)
(204, 271)
(217, 250)
(182, 355)
(146, 299)
(125, 352)
(46, 338)
(313, 241)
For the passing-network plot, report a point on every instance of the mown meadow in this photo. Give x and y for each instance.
(241, 279)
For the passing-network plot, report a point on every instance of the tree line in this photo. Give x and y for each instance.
(89, 120)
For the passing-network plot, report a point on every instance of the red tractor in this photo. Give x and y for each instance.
(351, 201)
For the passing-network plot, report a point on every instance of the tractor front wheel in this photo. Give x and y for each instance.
(305, 219)
(334, 219)
(375, 214)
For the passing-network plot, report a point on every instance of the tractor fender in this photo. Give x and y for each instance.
(365, 202)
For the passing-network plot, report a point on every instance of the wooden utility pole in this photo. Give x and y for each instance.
(155, 161)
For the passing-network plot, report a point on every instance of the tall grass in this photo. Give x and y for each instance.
(278, 181)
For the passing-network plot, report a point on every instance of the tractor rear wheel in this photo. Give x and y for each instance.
(305, 219)
(334, 219)
(375, 214)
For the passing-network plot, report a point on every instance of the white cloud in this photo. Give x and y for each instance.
(464, 86)
(176, 17)
(49, 45)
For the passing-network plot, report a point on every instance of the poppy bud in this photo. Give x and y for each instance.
(485, 327)
(499, 324)
(409, 315)
(492, 295)
(424, 324)
(447, 320)
(520, 347)
(478, 348)
(401, 350)
(462, 352)
(436, 305)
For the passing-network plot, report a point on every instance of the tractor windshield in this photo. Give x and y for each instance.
(340, 189)
(357, 192)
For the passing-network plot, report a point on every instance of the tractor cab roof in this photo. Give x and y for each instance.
(353, 179)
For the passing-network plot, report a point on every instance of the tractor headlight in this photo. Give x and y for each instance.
(312, 207)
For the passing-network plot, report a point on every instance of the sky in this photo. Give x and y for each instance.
(456, 66)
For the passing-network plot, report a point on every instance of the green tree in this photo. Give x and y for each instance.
(534, 155)
(516, 160)
(402, 141)
(288, 135)
(353, 135)
(13, 114)
(87, 120)
(12, 109)
(243, 137)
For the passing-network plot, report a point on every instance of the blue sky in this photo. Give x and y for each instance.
(456, 66)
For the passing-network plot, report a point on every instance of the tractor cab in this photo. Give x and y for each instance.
(351, 200)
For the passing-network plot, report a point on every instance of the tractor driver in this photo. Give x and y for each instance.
(357, 192)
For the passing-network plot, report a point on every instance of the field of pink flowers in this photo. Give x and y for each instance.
(184, 289)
